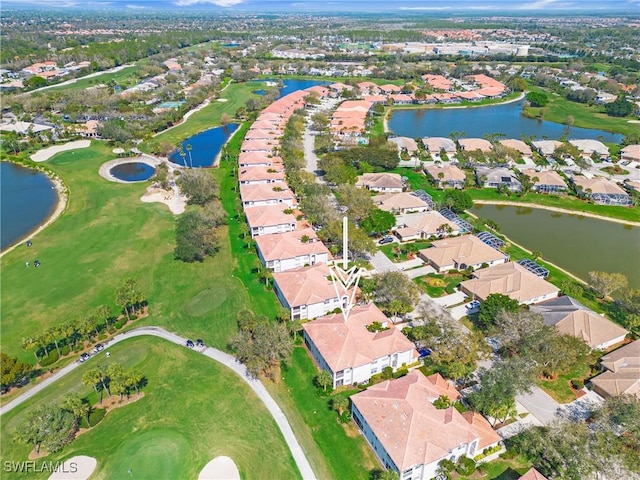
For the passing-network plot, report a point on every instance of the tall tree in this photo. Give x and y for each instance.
(324, 379)
(604, 283)
(199, 186)
(76, 405)
(12, 370)
(395, 292)
(47, 426)
(492, 306)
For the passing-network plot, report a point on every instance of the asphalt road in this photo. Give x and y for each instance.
(224, 358)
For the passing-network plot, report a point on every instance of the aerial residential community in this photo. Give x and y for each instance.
(364, 240)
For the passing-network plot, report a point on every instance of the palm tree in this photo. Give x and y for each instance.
(103, 313)
(340, 404)
(183, 155)
(31, 345)
(189, 147)
(324, 379)
(52, 334)
(69, 332)
(134, 379)
(86, 327)
(92, 377)
(76, 405)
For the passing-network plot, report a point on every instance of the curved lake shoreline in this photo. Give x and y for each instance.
(60, 206)
(557, 209)
(575, 242)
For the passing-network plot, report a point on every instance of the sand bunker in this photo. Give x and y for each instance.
(172, 199)
(220, 468)
(47, 153)
(76, 468)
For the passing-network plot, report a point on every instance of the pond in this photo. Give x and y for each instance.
(133, 171)
(290, 85)
(574, 242)
(27, 199)
(202, 149)
(504, 119)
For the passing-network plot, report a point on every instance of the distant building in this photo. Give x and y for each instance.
(426, 225)
(602, 191)
(546, 181)
(400, 203)
(495, 177)
(381, 182)
(269, 219)
(446, 176)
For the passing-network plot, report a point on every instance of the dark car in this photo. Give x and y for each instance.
(199, 343)
(190, 343)
(424, 352)
(385, 240)
(84, 357)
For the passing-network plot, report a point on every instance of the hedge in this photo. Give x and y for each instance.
(50, 360)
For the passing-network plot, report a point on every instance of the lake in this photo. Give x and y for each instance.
(574, 242)
(476, 122)
(290, 85)
(205, 147)
(27, 199)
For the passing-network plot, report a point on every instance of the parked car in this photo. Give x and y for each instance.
(473, 305)
(98, 348)
(199, 343)
(190, 344)
(84, 357)
(385, 240)
(424, 352)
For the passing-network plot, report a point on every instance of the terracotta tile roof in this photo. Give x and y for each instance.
(268, 216)
(546, 177)
(437, 144)
(259, 145)
(399, 201)
(411, 430)
(630, 152)
(280, 246)
(467, 249)
(261, 133)
(428, 223)
(488, 435)
(598, 185)
(508, 279)
(533, 474)
(437, 81)
(306, 285)
(256, 158)
(475, 144)
(402, 98)
(261, 173)
(266, 191)
(390, 88)
(349, 344)
(379, 180)
(518, 145)
(450, 173)
(594, 329)
(405, 142)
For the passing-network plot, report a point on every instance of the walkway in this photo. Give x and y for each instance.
(227, 360)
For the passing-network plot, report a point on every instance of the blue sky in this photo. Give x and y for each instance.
(467, 6)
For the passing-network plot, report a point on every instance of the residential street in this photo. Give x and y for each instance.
(224, 358)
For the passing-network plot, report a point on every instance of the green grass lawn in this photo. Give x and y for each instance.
(190, 413)
(419, 181)
(107, 235)
(236, 95)
(559, 109)
(400, 252)
(121, 77)
(502, 469)
(559, 201)
(560, 389)
(341, 452)
(437, 285)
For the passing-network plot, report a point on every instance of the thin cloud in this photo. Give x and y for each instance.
(218, 3)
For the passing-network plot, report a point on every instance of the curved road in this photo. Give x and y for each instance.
(224, 358)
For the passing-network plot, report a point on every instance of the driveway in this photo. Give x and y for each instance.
(540, 405)
(451, 299)
(419, 272)
(221, 357)
(382, 264)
